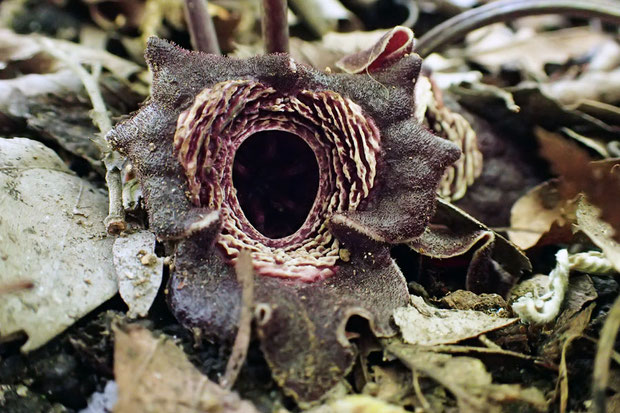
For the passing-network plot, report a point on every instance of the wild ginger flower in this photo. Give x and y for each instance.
(316, 174)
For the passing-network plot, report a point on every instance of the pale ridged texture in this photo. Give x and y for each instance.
(345, 143)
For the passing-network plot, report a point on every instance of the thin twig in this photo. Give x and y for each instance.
(201, 28)
(507, 10)
(600, 375)
(419, 394)
(115, 221)
(16, 286)
(245, 277)
(275, 26)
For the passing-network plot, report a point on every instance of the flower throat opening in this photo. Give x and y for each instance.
(276, 176)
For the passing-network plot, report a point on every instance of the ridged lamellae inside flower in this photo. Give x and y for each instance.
(344, 144)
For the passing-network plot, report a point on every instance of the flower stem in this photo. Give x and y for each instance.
(506, 10)
(201, 29)
(275, 26)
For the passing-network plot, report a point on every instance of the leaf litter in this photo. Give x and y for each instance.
(532, 95)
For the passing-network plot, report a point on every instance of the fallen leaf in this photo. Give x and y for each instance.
(467, 379)
(139, 271)
(538, 211)
(530, 50)
(357, 404)
(580, 292)
(391, 384)
(599, 231)
(599, 86)
(154, 375)
(467, 300)
(51, 234)
(425, 325)
(599, 181)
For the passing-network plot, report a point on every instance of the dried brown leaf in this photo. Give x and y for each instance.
(154, 375)
(541, 213)
(599, 181)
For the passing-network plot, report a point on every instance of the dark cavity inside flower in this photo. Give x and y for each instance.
(283, 223)
(276, 176)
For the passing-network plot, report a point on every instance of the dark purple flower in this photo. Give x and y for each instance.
(317, 174)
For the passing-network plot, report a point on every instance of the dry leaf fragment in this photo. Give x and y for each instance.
(599, 231)
(426, 325)
(52, 235)
(357, 404)
(154, 375)
(467, 379)
(534, 215)
(599, 181)
(530, 50)
(139, 271)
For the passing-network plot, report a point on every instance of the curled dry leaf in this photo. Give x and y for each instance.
(426, 325)
(541, 216)
(51, 234)
(154, 375)
(139, 271)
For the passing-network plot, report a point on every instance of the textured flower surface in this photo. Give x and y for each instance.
(316, 174)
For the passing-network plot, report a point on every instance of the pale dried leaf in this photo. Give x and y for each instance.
(51, 233)
(600, 86)
(531, 50)
(357, 404)
(154, 375)
(15, 46)
(467, 379)
(423, 324)
(599, 231)
(139, 271)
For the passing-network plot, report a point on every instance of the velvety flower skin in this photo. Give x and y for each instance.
(300, 316)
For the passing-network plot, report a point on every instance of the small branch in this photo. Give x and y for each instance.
(200, 25)
(275, 26)
(245, 277)
(507, 10)
(604, 353)
(115, 221)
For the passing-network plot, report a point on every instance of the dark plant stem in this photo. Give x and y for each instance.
(505, 10)
(275, 26)
(201, 29)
